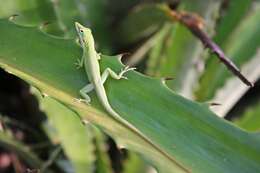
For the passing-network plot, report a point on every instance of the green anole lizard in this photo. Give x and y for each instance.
(90, 60)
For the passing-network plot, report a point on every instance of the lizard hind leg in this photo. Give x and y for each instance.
(83, 92)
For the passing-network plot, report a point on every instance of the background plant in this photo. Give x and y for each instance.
(40, 125)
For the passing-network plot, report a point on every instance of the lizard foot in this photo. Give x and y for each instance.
(124, 70)
(78, 63)
(79, 100)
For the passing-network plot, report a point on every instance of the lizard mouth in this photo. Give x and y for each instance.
(80, 31)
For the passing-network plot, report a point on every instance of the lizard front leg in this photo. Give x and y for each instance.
(89, 87)
(79, 63)
(114, 75)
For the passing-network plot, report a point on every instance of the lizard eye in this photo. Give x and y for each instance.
(81, 31)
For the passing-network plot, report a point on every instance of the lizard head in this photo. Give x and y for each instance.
(83, 33)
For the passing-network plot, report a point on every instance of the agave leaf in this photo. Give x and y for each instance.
(103, 163)
(188, 136)
(134, 163)
(75, 138)
(31, 12)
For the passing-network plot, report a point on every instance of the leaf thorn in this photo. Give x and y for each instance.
(12, 17)
(44, 24)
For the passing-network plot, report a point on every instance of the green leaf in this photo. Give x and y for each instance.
(30, 11)
(157, 50)
(66, 12)
(93, 13)
(76, 139)
(153, 41)
(236, 9)
(134, 164)
(103, 163)
(141, 22)
(186, 133)
(99, 18)
(240, 46)
(250, 120)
